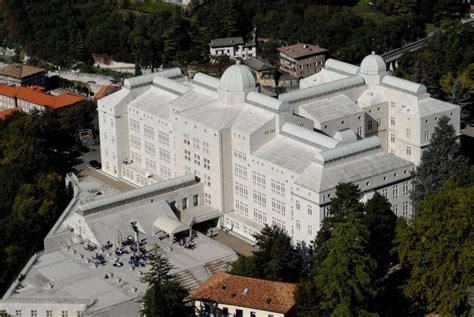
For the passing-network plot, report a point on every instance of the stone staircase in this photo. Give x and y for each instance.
(221, 265)
(187, 280)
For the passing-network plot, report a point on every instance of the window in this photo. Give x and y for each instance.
(252, 314)
(149, 132)
(49, 313)
(369, 124)
(259, 216)
(135, 142)
(395, 191)
(405, 208)
(184, 203)
(392, 138)
(310, 210)
(205, 147)
(207, 180)
(379, 122)
(195, 200)
(408, 150)
(408, 133)
(187, 155)
(149, 148)
(197, 159)
(310, 230)
(395, 209)
(64, 313)
(163, 138)
(207, 198)
(136, 158)
(278, 206)
(359, 131)
(105, 136)
(164, 155)
(298, 206)
(405, 189)
(186, 139)
(298, 224)
(135, 126)
(165, 171)
(258, 179)
(150, 164)
(241, 208)
(196, 143)
(384, 192)
(34, 313)
(278, 187)
(79, 313)
(240, 171)
(239, 155)
(259, 198)
(17, 313)
(207, 163)
(241, 190)
(427, 135)
(392, 120)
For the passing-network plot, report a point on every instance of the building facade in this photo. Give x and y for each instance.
(234, 47)
(272, 161)
(301, 60)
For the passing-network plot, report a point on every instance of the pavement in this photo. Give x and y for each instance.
(236, 244)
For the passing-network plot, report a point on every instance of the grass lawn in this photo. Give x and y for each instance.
(365, 10)
(152, 7)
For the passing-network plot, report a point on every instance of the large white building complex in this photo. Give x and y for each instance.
(272, 161)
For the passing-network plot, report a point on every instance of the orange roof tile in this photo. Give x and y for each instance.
(40, 98)
(301, 50)
(105, 91)
(5, 113)
(20, 71)
(226, 288)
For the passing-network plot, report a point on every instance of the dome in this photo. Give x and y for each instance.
(237, 78)
(373, 65)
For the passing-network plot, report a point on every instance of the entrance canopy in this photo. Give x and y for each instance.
(170, 225)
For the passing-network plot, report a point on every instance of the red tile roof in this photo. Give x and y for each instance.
(226, 288)
(301, 50)
(40, 98)
(5, 113)
(105, 91)
(20, 71)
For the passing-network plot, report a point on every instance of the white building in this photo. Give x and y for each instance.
(272, 161)
(234, 47)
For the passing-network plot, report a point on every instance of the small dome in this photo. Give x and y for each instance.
(373, 65)
(237, 78)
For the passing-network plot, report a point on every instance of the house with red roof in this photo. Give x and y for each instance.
(225, 294)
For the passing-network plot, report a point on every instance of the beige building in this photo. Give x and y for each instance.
(226, 295)
(301, 60)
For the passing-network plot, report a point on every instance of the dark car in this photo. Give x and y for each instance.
(95, 164)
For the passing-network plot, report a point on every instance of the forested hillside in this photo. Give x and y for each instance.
(66, 32)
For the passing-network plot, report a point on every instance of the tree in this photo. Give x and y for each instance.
(164, 296)
(437, 248)
(345, 203)
(440, 161)
(276, 259)
(345, 278)
(381, 222)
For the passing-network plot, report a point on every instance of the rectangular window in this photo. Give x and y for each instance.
(384, 192)
(241, 190)
(379, 122)
(149, 132)
(165, 171)
(310, 230)
(197, 159)
(406, 188)
(135, 142)
(369, 124)
(64, 313)
(359, 131)
(279, 223)
(207, 163)
(205, 147)
(17, 313)
(195, 200)
(136, 158)
(310, 210)
(259, 198)
(196, 143)
(240, 171)
(163, 138)
(49, 313)
(134, 126)
(427, 135)
(278, 187)
(34, 313)
(298, 225)
(298, 206)
(149, 148)
(207, 198)
(395, 191)
(239, 155)
(408, 133)
(408, 150)
(150, 164)
(259, 216)
(392, 138)
(258, 179)
(79, 313)
(187, 139)
(392, 120)
(241, 208)
(278, 206)
(184, 203)
(395, 209)
(207, 180)
(164, 155)
(187, 155)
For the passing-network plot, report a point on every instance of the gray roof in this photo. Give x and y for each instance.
(308, 136)
(144, 80)
(136, 194)
(266, 102)
(331, 108)
(257, 64)
(347, 68)
(250, 119)
(155, 102)
(321, 178)
(227, 41)
(170, 85)
(212, 114)
(348, 149)
(207, 81)
(323, 89)
(404, 84)
(431, 106)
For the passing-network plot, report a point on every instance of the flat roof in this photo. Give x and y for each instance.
(332, 108)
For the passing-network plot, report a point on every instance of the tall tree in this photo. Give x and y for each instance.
(345, 203)
(164, 297)
(276, 259)
(346, 277)
(437, 247)
(440, 161)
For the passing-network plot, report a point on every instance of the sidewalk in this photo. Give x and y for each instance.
(238, 245)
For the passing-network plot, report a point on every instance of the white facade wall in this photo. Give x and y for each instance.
(41, 309)
(235, 311)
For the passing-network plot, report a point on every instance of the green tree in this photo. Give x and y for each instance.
(346, 203)
(437, 248)
(164, 297)
(441, 160)
(346, 277)
(276, 259)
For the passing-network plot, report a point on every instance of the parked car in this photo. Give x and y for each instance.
(95, 164)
